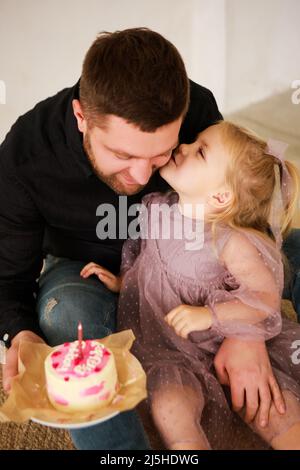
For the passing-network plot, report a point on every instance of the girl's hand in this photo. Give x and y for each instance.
(185, 319)
(111, 281)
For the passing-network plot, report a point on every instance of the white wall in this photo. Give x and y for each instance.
(243, 50)
(262, 49)
(43, 42)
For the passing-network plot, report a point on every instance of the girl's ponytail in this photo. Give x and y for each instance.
(286, 190)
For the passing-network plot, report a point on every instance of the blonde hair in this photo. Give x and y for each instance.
(251, 178)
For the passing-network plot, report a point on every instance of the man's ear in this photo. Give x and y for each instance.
(78, 113)
(220, 199)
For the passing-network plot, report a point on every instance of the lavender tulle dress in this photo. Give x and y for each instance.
(184, 394)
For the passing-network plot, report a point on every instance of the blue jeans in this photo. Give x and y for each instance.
(291, 248)
(64, 299)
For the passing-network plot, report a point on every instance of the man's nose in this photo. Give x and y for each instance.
(141, 171)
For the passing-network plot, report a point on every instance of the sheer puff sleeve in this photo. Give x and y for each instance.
(249, 305)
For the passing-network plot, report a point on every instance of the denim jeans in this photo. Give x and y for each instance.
(291, 248)
(64, 299)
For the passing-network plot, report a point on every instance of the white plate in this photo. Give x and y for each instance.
(86, 424)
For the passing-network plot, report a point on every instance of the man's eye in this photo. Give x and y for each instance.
(122, 158)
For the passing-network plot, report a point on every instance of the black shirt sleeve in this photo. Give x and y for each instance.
(21, 235)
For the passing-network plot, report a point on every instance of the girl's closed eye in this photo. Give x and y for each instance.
(200, 152)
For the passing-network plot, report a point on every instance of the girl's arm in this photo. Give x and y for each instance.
(251, 311)
(253, 314)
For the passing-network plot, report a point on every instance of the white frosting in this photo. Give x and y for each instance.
(81, 384)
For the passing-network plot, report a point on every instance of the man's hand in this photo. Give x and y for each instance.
(10, 369)
(186, 318)
(246, 368)
(111, 281)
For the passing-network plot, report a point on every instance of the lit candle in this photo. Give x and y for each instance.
(80, 339)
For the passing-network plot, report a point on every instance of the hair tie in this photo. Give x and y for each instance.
(277, 149)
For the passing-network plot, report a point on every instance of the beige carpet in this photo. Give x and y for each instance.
(31, 435)
(34, 436)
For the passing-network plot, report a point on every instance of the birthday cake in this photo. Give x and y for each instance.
(81, 379)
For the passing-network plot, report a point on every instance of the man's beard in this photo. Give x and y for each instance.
(112, 181)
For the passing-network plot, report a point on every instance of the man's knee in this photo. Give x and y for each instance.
(295, 297)
(291, 248)
(124, 431)
(61, 308)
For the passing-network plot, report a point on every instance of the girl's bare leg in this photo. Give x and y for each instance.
(283, 431)
(176, 412)
(289, 440)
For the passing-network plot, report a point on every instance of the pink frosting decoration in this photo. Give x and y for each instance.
(60, 400)
(92, 390)
(105, 396)
(56, 353)
(67, 362)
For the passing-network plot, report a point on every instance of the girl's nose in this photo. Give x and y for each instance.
(183, 149)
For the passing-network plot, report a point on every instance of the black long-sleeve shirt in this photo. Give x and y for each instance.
(49, 196)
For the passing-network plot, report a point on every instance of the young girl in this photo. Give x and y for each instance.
(181, 298)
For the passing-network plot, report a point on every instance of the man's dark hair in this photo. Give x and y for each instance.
(135, 74)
